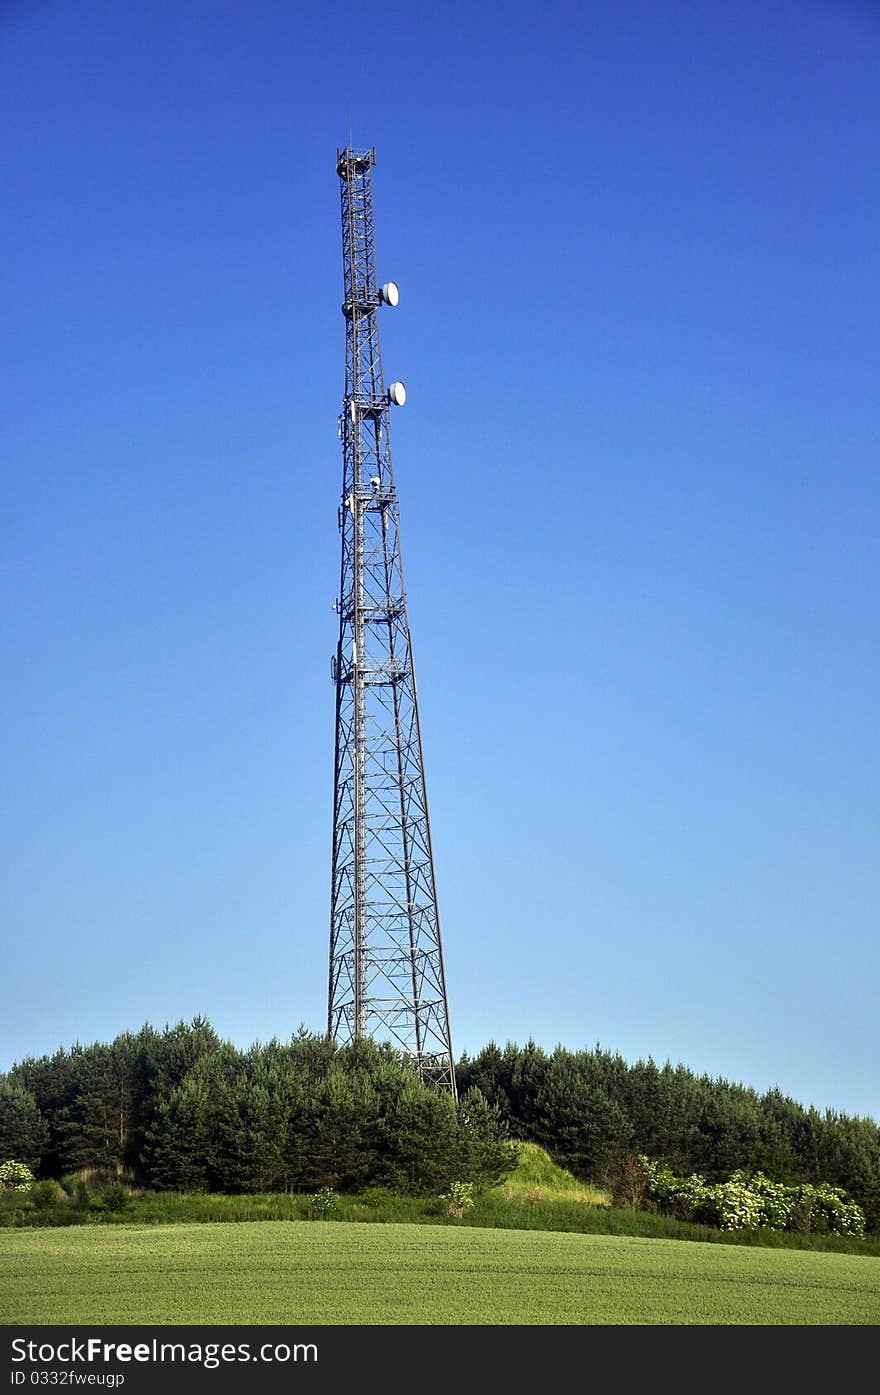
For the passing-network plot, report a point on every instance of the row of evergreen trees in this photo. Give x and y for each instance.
(587, 1108)
(184, 1110)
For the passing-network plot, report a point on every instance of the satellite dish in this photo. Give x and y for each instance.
(389, 293)
(397, 394)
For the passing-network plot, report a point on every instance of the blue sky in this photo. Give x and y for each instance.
(638, 325)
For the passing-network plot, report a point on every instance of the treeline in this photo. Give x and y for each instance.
(186, 1111)
(590, 1108)
(183, 1110)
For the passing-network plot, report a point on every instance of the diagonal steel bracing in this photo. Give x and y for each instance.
(387, 978)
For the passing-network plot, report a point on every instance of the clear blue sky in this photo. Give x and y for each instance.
(636, 246)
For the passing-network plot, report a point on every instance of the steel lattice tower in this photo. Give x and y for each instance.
(386, 960)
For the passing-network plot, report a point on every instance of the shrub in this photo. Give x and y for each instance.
(378, 1196)
(777, 1200)
(660, 1185)
(324, 1203)
(15, 1176)
(750, 1201)
(739, 1208)
(114, 1198)
(81, 1197)
(460, 1198)
(46, 1195)
(695, 1200)
(851, 1219)
(625, 1178)
(824, 1208)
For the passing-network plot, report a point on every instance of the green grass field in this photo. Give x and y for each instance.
(292, 1272)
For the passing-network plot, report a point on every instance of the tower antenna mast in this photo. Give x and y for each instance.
(387, 978)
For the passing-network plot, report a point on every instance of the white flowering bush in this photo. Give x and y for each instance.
(458, 1199)
(15, 1177)
(777, 1201)
(688, 1198)
(750, 1201)
(661, 1185)
(739, 1208)
(698, 1201)
(324, 1203)
(825, 1208)
(850, 1219)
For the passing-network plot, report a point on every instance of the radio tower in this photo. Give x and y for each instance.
(386, 959)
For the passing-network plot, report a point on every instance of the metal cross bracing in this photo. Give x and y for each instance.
(387, 978)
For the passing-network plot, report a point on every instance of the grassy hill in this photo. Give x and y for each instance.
(537, 1178)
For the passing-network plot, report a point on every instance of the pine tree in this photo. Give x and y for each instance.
(23, 1130)
(575, 1118)
(486, 1151)
(421, 1149)
(175, 1151)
